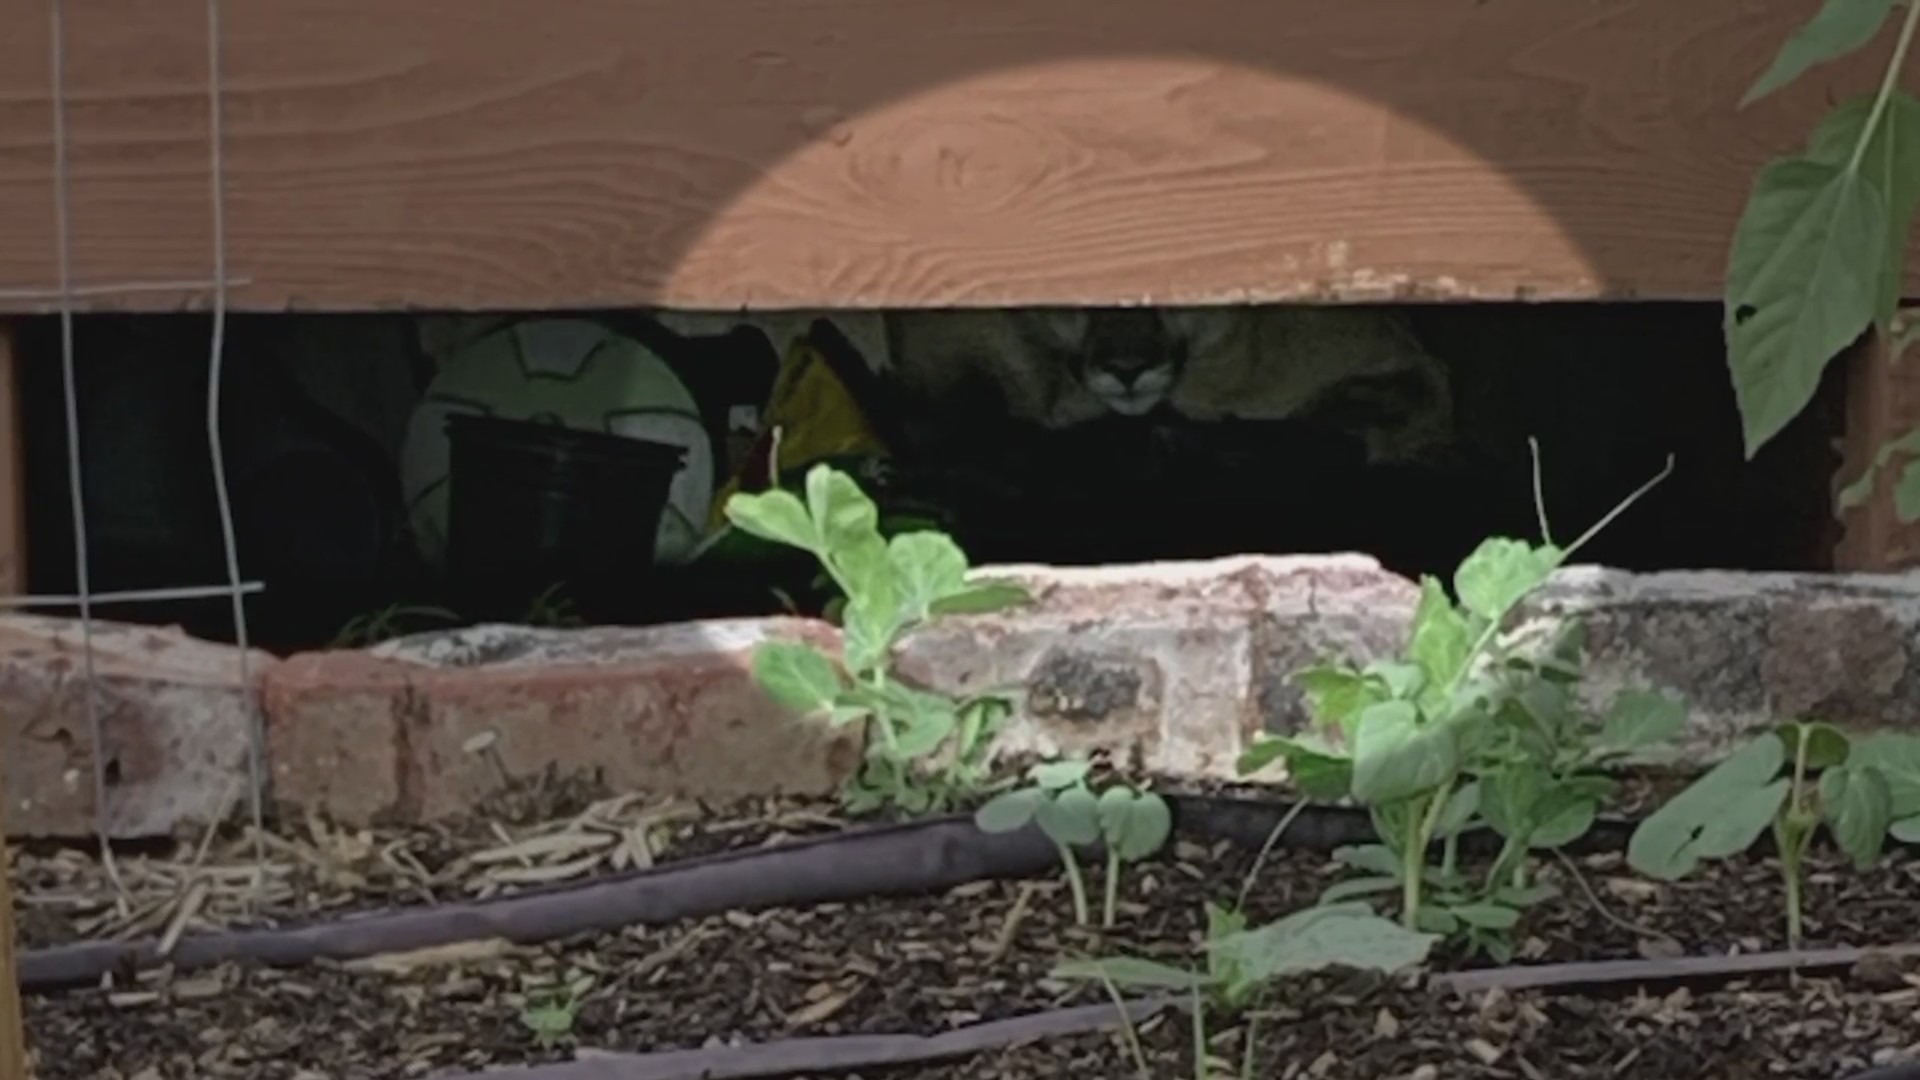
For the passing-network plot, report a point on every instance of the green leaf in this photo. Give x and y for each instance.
(1897, 757)
(873, 618)
(1009, 810)
(1437, 920)
(1439, 641)
(844, 517)
(1128, 971)
(773, 515)
(1499, 573)
(1841, 27)
(1720, 814)
(929, 566)
(1396, 757)
(1561, 816)
(1485, 916)
(1376, 858)
(1055, 775)
(1826, 745)
(1801, 286)
(1344, 935)
(1857, 805)
(1637, 719)
(1071, 816)
(982, 597)
(1508, 796)
(1460, 808)
(1891, 163)
(1336, 695)
(1357, 887)
(1524, 897)
(1906, 830)
(1134, 823)
(922, 721)
(1403, 680)
(1314, 767)
(797, 676)
(1906, 493)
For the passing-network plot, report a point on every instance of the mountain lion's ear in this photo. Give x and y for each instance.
(1062, 325)
(1199, 330)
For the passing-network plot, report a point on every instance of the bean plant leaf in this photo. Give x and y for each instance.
(1861, 489)
(797, 676)
(982, 597)
(1130, 971)
(1009, 810)
(1071, 816)
(1719, 815)
(871, 620)
(1857, 805)
(1896, 756)
(774, 515)
(1375, 858)
(921, 721)
(928, 567)
(1906, 830)
(1134, 823)
(1316, 768)
(1458, 811)
(1499, 573)
(1439, 641)
(1841, 27)
(1801, 285)
(1561, 816)
(1403, 680)
(1336, 695)
(1826, 745)
(1485, 916)
(1055, 775)
(1353, 888)
(1339, 935)
(845, 518)
(1891, 163)
(1395, 756)
(1637, 719)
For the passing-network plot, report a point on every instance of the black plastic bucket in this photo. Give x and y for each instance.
(532, 506)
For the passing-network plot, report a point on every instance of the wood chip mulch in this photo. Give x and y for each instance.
(983, 951)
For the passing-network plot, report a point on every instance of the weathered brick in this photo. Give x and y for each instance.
(172, 718)
(669, 709)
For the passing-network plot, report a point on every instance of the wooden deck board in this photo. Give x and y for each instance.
(858, 153)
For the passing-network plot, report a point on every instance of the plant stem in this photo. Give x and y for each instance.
(1888, 84)
(1246, 1062)
(1074, 882)
(1260, 860)
(1113, 889)
(1790, 869)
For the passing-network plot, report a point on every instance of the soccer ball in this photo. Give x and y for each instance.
(572, 372)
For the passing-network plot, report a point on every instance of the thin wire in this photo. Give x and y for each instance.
(131, 596)
(216, 168)
(76, 490)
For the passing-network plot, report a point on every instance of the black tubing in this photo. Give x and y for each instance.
(817, 1056)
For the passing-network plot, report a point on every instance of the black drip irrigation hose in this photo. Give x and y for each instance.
(885, 860)
(827, 1055)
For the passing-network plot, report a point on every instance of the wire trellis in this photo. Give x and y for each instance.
(66, 293)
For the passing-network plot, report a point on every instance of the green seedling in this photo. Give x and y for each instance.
(1058, 800)
(1134, 824)
(386, 623)
(1795, 780)
(1241, 961)
(550, 1016)
(924, 750)
(1466, 726)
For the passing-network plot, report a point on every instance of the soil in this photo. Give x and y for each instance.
(929, 964)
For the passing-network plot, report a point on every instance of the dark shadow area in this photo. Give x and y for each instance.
(1609, 390)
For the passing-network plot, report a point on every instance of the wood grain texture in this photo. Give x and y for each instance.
(1883, 404)
(802, 153)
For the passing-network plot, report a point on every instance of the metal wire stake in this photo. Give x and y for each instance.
(63, 237)
(216, 168)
